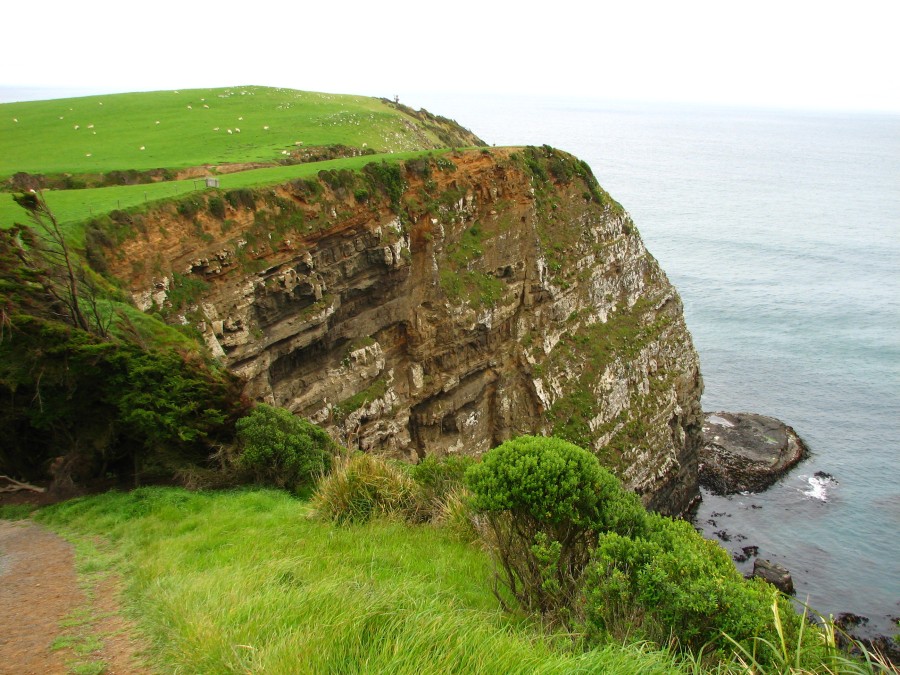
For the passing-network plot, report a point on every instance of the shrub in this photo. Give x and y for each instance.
(217, 207)
(437, 478)
(388, 179)
(241, 197)
(363, 486)
(281, 448)
(673, 582)
(543, 500)
(189, 207)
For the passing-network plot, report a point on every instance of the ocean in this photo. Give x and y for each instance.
(781, 232)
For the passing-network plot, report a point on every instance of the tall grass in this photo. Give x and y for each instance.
(246, 581)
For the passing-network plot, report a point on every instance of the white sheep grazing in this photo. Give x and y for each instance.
(90, 126)
(215, 128)
(87, 154)
(205, 106)
(16, 120)
(241, 119)
(75, 127)
(190, 108)
(142, 147)
(236, 130)
(229, 131)
(157, 121)
(266, 128)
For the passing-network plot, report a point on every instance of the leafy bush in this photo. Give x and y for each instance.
(363, 486)
(217, 207)
(241, 197)
(189, 207)
(419, 167)
(437, 477)
(544, 499)
(387, 179)
(281, 448)
(673, 582)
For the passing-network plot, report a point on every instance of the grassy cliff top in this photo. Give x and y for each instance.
(186, 128)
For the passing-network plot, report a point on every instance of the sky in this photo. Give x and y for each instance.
(789, 54)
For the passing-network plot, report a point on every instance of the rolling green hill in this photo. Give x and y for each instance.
(178, 129)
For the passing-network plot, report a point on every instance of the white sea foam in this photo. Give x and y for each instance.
(818, 487)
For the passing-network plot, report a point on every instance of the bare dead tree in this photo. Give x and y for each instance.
(51, 243)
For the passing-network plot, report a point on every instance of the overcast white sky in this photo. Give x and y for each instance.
(825, 54)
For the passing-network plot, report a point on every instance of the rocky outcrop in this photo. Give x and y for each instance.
(775, 574)
(443, 309)
(746, 452)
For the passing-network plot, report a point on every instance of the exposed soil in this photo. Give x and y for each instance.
(39, 589)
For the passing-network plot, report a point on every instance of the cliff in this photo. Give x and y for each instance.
(438, 306)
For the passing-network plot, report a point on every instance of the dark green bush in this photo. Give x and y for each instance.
(544, 499)
(216, 207)
(281, 448)
(437, 478)
(673, 582)
(387, 178)
(241, 198)
(419, 167)
(189, 207)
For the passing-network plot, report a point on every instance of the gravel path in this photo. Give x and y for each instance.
(38, 590)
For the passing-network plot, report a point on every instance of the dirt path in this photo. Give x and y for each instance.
(38, 590)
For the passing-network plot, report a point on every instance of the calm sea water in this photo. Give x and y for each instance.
(781, 231)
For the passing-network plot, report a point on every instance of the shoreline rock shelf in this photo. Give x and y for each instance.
(746, 452)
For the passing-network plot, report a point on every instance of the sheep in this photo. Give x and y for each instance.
(157, 121)
(205, 106)
(236, 130)
(75, 127)
(215, 128)
(229, 131)
(87, 154)
(190, 107)
(90, 126)
(266, 128)
(142, 147)
(16, 120)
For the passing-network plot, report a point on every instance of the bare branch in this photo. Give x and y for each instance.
(15, 486)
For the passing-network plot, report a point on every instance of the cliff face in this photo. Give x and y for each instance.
(443, 308)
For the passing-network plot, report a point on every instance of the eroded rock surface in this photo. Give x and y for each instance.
(745, 452)
(493, 298)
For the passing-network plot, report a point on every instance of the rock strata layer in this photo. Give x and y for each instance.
(745, 452)
(500, 293)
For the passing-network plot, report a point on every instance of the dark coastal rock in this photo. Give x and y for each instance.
(744, 452)
(775, 574)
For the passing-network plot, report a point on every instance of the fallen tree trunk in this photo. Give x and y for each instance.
(15, 486)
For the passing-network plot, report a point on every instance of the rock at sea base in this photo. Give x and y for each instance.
(745, 452)
(775, 574)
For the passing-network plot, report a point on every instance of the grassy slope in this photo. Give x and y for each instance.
(246, 582)
(72, 207)
(44, 138)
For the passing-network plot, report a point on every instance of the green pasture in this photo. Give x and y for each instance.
(72, 207)
(96, 134)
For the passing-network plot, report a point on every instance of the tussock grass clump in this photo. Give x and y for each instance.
(363, 486)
